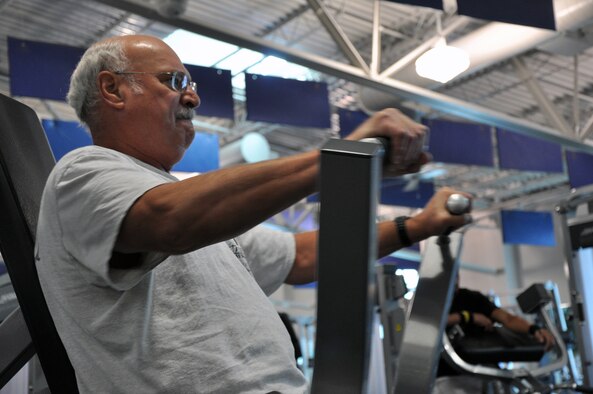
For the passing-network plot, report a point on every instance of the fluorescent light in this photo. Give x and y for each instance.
(442, 63)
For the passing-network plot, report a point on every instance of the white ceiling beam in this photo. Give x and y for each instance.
(376, 39)
(587, 128)
(338, 35)
(576, 108)
(545, 104)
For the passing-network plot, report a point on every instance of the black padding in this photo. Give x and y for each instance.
(17, 347)
(25, 163)
(293, 337)
(499, 345)
(533, 297)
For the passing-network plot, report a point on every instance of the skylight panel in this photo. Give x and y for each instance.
(198, 50)
(277, 67)
(239, 61)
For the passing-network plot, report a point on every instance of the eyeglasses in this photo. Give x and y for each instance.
(175, 80)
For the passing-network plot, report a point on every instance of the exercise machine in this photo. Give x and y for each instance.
(523, 379)
(347, 289)
(347, 257)
(25, 162)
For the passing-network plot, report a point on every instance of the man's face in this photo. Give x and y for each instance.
(162, 115)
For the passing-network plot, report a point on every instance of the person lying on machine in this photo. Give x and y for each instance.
(160, 285)
(476, 314)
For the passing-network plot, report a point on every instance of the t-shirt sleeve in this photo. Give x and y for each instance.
(484, 305)
(93, 194)
(270, 255)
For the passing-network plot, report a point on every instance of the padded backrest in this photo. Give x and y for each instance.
(25, 163)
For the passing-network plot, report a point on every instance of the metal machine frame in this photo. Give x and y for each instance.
(421, 345)
(350, 173)
(576, 229)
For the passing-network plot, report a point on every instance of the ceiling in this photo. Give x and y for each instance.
(538, 85)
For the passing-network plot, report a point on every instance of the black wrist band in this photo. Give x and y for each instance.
(534, 328)
(400, 223)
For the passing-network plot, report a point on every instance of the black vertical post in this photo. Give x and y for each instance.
(350, 174)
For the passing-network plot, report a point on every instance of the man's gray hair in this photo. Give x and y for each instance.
(83, 94)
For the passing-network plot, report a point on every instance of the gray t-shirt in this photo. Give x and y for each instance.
(194, 323)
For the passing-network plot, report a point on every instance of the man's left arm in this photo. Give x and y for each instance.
(433, 220)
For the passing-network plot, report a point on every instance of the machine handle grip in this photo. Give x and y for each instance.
(384, 142)
(458, 204)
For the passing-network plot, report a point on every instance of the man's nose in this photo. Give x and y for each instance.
(190, 99)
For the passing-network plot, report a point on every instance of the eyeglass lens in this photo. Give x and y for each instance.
(179, 81)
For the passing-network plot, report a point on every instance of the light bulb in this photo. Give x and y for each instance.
(442, 63)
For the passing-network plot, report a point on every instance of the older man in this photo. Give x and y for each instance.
(153, 283)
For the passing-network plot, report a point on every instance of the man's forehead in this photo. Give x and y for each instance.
(154, 52)
(147, 45)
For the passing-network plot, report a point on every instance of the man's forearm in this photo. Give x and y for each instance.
(304, 267)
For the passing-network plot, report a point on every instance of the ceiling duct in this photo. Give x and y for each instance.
(493, 43)
(171, 8)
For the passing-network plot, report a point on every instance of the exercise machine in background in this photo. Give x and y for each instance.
(482, 360)
(347, 289)
(576, 227)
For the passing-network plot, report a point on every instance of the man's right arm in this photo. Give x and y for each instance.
(183, 216)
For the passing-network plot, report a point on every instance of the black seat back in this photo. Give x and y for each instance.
(25, 163)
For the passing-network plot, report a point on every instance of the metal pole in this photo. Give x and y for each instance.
(350, 173)
(422, 340)
(573, 233)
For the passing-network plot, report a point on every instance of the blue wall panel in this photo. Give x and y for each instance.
(460, 143)
(41, 70)
(65, 136)
(580, 168)
(536, 13)
(287, 101)
(215, 91)
(201, 156)
(438, 4)
(400, 263)
(350, 120)
(528, 228)
(520, 152)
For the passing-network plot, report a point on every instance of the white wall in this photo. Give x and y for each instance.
(482, 246)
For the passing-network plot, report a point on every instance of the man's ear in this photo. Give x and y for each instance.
(110, 89)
